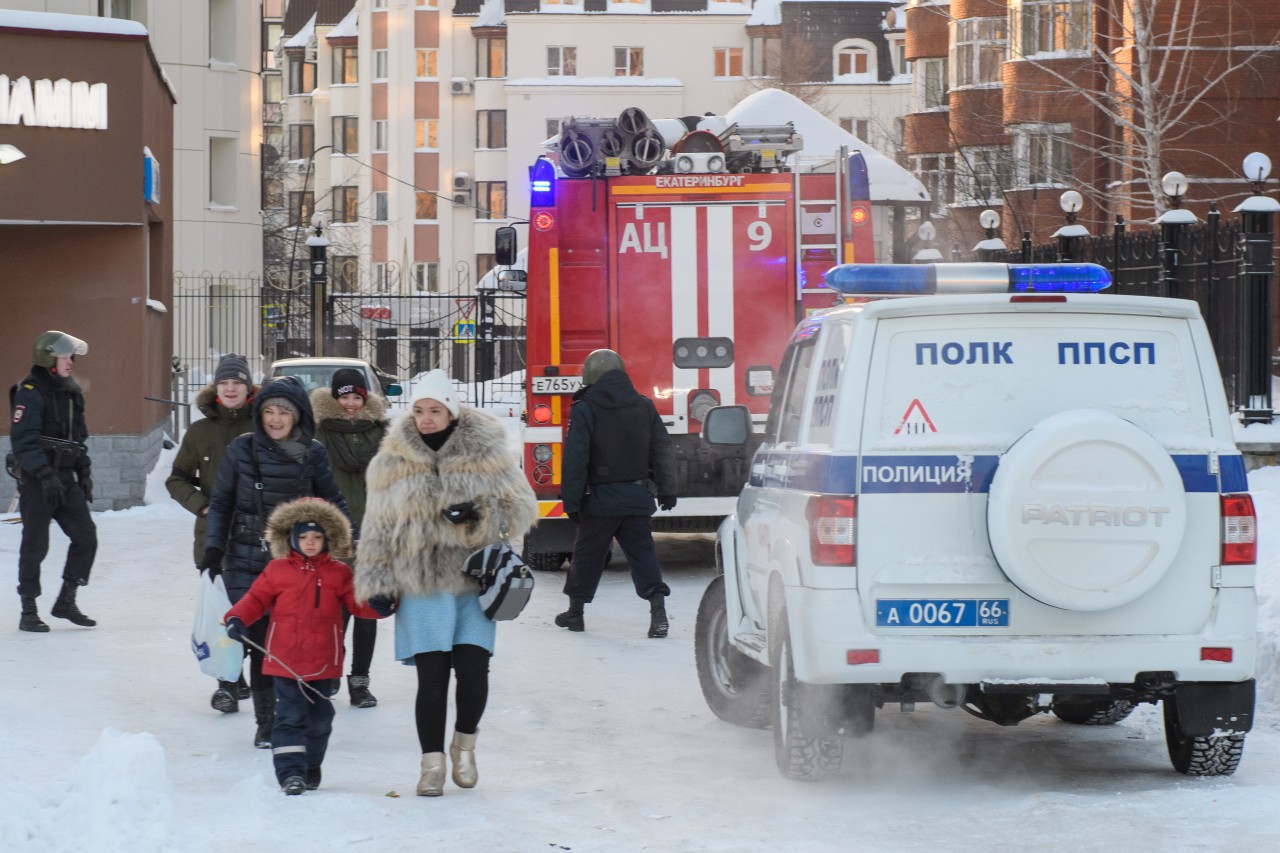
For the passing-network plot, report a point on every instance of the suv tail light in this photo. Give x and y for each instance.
(833, 530)
(1239, 531)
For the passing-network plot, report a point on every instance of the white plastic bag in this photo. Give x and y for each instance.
(218, 654)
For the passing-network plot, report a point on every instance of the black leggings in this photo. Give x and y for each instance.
(363, 638)
(471, 664)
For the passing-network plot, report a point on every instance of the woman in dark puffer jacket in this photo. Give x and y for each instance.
(277, 462)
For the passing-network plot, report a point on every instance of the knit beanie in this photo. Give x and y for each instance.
(348, 380)
(435, 385)
(281, 403)
(232, 366)
(306, 527)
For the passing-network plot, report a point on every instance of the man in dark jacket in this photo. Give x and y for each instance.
(48, 435)
(226, 404)
(616, 443)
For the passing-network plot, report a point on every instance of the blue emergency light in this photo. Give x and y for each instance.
(924, 279)
(542, 183)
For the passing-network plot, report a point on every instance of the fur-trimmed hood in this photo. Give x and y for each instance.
(326, 408)
(406, 544)
(337, 530)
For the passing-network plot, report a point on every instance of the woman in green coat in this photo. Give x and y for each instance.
(350, 423)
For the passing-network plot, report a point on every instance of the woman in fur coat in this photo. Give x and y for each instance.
(444, 483)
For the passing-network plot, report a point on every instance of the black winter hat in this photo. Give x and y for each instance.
(232, 366)
(306, 527)
(348, 380)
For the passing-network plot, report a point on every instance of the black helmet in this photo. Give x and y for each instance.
(53, 345)
(598, 363)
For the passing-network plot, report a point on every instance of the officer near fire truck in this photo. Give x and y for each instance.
(48, 433)
(615, 445)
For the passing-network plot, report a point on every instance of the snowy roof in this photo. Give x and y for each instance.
(595, 81)
(766, 13)
(56, 22)
(491, 14)
(346, 28)
(303, 36)
(822, 138)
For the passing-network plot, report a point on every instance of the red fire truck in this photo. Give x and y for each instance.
(694, 268)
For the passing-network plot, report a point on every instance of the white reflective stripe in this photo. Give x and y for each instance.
(720, 291)
(282, 750)
(534, 435)
(685, 244)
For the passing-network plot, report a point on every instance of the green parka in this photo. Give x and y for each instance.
(195, 468)
(351, 443)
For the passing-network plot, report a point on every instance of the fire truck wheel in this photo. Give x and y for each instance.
(541, 562)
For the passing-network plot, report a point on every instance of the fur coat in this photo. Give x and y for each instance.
(406, 544)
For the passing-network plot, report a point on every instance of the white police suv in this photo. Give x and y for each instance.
(1004, 492)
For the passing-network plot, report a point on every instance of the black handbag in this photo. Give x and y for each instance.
(506, 583)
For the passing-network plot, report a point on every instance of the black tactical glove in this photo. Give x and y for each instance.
(212, 562)
(573, 516)
(383, 605)
(235, 629)
(86, 486)
(52, 488)
(667, 501)
(461, 513)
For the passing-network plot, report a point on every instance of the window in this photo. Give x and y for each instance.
(344, 272)
(380, 64)
(271, 31)
(222, 171)
(983, 173)
(122, 9)
(380, 134)
(346, 139)
(302, 76)
(346, 205)
(491, 199)
(302, 141)
(491, 57)
(222, 31)
(344, 66)
(379, 4)
(562, 62)
(937, 173)
(932, 83)
(272, 89)
(728, 62)
(426, 276)
(979, 50)
(491, 128)
(484, 264)
(859, 127)
(428, 4)
(380, 207)
(766, 55)
(380, 277)
(1042, 26)
(426, 59)
(426, 133)
(628, 62)
(1043, 153)
(301, 207)
(898, 54)
(424, 206)
(855, 62)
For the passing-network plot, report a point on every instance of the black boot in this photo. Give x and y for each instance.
(224, 698)
(264, 714)
(572, 618)
(358, 690)
(31, 620)
(65, 606)
(658, 616)
(242, 688)
(312, 778)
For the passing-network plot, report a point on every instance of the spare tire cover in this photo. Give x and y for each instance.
(1087, 511)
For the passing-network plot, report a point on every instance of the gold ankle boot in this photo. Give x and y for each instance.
(431, 782)
(463, 752)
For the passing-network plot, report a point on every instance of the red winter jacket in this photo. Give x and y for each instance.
(305, 596)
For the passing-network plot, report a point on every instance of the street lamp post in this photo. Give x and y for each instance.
(1070, 202)
(927, 253)
(991, 248)
(1258, 240)
(319, 284)
(1171, 223)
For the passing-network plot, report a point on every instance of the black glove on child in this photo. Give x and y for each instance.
(461, 513)
(383, 605)
(667, 501)
(235, 629)
(52, 488)
(212, 562)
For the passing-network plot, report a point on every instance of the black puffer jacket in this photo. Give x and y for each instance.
(238, 510)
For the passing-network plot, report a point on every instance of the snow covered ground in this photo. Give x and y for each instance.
(592, 742)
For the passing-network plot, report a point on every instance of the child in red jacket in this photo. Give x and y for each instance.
(304, 589)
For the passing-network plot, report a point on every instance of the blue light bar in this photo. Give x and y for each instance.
(923, 279)
(542, 183)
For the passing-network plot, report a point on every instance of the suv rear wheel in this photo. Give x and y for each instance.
(735, 686)
(1091, 712)
(1200, 756)
(799, 755)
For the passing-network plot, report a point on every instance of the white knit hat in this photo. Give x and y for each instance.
(435, 385)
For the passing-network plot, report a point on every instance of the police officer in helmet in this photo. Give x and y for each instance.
(48, 434)
(615, 446)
